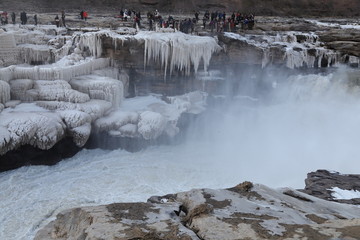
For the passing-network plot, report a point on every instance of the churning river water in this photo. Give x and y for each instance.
(308, 123)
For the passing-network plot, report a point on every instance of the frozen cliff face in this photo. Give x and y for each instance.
(173, 50)
(8, 52)
(293, 49)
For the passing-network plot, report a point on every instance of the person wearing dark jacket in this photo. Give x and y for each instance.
(63, 18)
(13, 16)
(57, 21)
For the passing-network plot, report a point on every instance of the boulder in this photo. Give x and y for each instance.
(323, 184)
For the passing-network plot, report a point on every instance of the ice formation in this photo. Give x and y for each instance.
(174, 51)
(178, 50)
(58, 90)
(39, 129)
(78, 90)
(4, 92)
(19, 88)
(153, 117)
(120, 123)
(151, 125)
(55, 71)
(31, 53)
(8, 52)
(95, 108)
(300, 49)
(100, 88)
(79, 125)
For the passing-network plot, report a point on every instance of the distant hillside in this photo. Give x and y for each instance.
(259, 7)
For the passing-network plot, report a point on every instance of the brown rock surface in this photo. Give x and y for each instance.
(247, 211)
(321, 182)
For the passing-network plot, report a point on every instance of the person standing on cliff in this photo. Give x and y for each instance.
(57, 21)
(13, 17)
(85, 15)
(35, 20)
(63, 18)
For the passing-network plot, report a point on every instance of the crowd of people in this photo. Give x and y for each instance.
(219, 22)
(23, 18)
(215, 21)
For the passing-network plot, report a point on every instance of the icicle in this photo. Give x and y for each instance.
(179, 51)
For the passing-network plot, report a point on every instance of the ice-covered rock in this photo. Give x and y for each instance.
(4, 92)
(60, 70)
(116, 120)
(103, 88)
(9, 54)
(95, 108)
(19, 88)
(57, 90)
(39, 129)
(151, 125)
(78, 125)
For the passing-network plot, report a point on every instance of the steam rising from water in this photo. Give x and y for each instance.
(302, 124)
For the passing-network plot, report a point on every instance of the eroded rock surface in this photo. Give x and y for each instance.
(246, 211)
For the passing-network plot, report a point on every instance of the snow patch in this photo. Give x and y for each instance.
(342, 194)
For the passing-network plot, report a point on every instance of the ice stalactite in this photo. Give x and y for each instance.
(178, 51)
(103, 88)
(36, 54)
(93, 42)
(4, 92)
(298, 49)
(319, 57)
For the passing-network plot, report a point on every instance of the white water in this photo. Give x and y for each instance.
(311, 123)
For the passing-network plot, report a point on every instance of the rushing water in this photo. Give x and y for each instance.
(303, 124)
